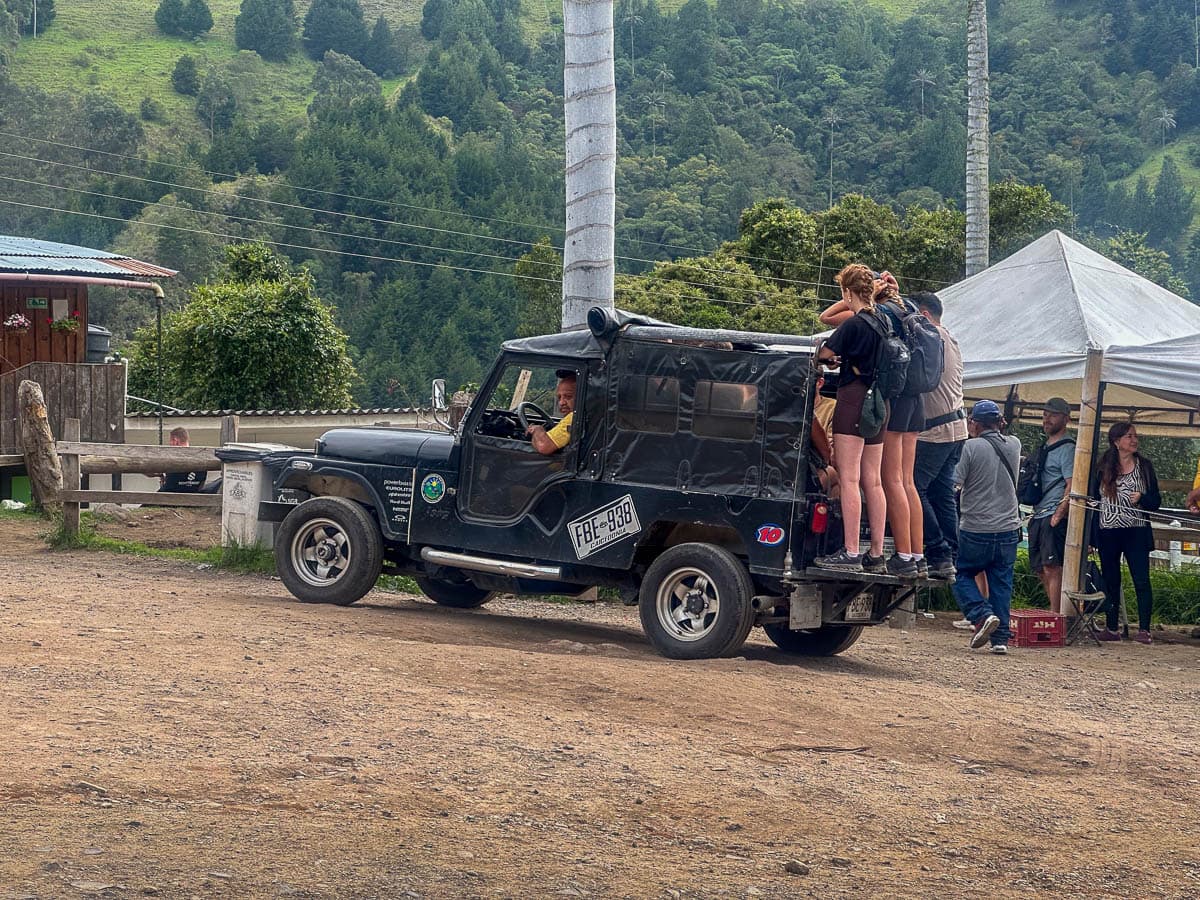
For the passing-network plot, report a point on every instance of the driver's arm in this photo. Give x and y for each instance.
(550, 442)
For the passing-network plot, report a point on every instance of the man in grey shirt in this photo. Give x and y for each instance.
(989, 525)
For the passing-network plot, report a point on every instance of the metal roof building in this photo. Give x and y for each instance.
(18, 254)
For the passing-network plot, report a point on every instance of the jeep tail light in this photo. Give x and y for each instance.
(820, 518)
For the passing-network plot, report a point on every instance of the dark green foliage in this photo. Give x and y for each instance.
(183, 18)
(380, 54)
(185, 77)
(151, 110)
(45, 14)
(258, 339)
(340, 81)
(334, 25)
(267, 27)
(216, 104)
(1172, 206)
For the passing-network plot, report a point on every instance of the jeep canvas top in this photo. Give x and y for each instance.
(685, 484)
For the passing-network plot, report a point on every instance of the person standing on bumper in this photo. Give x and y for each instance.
(939, 447)
(989, 530)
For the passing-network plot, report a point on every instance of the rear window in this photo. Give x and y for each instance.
(648, 403)
(725, 410)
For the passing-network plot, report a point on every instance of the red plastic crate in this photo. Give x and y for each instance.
(1037, 628)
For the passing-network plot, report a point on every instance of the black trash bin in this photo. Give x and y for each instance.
(99, 343)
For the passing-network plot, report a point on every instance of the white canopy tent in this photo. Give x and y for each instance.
(1058, 319)
(1026, 324)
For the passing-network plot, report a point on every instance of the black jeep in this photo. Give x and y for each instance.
(686, 484)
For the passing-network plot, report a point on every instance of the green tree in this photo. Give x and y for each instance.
(268, 27)
(197, 18)
(380, 55)
(339, 81)
(169, 17)
(216, 105)
(1021, 213)
(334, 25)
(260, 338)
(539, 287)
(693, 46)
(1129, 248)
(185, 77)
(1172, 207)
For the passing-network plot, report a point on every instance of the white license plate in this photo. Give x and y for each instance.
(861, 608)
(608, 524)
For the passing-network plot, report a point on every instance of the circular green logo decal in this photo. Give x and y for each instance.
(433, 488)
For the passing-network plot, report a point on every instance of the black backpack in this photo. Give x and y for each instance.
(892, 360)
(1029, 485)
(925, 347)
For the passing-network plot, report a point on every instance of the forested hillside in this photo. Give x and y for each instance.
(411, 158)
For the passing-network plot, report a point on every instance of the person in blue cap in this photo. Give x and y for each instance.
(989, 525)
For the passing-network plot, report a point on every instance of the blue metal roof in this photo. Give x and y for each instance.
(18, 254)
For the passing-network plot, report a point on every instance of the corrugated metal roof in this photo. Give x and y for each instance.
(18, 254)
(199, 413)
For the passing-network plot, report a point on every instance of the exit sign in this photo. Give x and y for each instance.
(36, 303)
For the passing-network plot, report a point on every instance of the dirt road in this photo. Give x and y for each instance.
(176, 732)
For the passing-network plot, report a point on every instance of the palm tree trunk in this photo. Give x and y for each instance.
(977, 137)
(590, 92)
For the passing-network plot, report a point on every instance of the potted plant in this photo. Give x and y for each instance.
(17, 323)
(67, 324)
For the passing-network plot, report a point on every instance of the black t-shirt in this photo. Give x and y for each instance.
(184, 482)
(856, 342)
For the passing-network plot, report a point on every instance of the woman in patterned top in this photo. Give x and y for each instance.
(1127, 486)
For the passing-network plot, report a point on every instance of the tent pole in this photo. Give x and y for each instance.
(1089, 426)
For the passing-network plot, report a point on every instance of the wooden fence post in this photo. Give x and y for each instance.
(37, 443)
(229, 430)
(70, 477)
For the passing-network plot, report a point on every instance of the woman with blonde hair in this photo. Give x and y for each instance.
(854, 348)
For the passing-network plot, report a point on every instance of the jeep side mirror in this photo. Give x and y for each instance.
(439, 394)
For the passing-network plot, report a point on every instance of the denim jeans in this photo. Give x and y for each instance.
(934, 475)
(995, 554)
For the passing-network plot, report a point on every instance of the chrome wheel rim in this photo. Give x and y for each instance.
(321, 552)
(687, 604)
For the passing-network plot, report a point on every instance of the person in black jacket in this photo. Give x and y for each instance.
(1126, 487)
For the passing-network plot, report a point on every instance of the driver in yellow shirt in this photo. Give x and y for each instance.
(1193, 499)
(550, 441)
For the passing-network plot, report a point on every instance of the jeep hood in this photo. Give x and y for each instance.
(386, 446)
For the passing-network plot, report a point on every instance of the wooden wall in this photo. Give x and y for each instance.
(92, 393)
(41, 343)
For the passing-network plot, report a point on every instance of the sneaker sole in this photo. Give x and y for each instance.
(981, 636)
(834, 567)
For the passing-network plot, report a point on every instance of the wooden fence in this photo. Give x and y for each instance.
(93, 393)
(81, 458)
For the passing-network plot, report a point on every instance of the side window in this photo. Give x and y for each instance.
(521, 383)
(725, 410)
(648, 403)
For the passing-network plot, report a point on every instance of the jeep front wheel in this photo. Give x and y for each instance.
(329, 550)
(695, 602)
(456, 592)
(828, 640)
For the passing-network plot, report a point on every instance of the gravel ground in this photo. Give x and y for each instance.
(177, 732)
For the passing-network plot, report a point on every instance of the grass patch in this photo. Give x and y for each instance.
(247, 560)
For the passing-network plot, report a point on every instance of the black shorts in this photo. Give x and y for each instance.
(907, 414)
(848, 411)
(1047, 543)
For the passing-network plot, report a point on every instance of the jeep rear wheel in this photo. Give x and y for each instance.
(827, 640)
(329, 550)
(695, 602)
(456, 592)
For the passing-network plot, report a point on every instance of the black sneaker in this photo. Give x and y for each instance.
(902, 568)
(922, 568)
(840, 562)
(943, 570)
(875, 565)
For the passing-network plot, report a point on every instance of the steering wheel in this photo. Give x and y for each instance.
(524, 409)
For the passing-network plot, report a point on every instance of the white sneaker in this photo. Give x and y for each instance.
(964, 624)
(1000, 649)
(984, 631)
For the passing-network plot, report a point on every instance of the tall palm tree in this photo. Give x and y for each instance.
(631, 19)
(924, 79)
(832, 119)
(977, 137)
(1165, 120)
(590, 111)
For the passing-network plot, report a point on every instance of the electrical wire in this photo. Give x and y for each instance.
(395, 203)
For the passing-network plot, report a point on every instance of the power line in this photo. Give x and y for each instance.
(396, 203)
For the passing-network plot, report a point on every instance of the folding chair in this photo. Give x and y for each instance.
(1086, 604)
